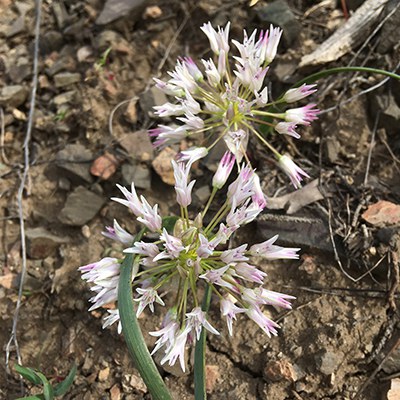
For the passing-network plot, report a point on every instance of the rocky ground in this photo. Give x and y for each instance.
(94, 103)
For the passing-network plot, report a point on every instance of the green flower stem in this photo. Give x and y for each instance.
(318, 75)
(133, 335)
(214, 191)
(264, 141)
(200, 355)
(217, 217)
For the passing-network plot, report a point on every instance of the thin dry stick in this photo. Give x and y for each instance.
(339, 291)
(335, 252)
(13, 337)
(169, 47)
(386, 144)
(362, 47)
(377, 369)
(373, 33)
(111, 117)
(394, 285)
(371, 146)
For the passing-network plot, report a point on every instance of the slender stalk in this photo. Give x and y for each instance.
(260, 121)
(263, 140)
(314, 77)
(133, 335)
(199, 355)
(214, 191)
(268, 114)
(216, 222)
(217, 217)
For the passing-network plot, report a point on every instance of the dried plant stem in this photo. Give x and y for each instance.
(13, 337)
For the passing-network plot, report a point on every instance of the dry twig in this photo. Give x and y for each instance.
(335, 252)
(377, 369)
(395, 274)
(28, 135)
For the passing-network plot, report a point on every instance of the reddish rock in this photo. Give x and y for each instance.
(212, 376)
(394, 392)
(382, 213)
(104, 166)
(9, 281)
(115, 392)
(162, 165)
(278, 370)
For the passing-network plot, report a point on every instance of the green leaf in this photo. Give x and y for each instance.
(200, 355)
(169, 223)
(36, 397)
(28, 373)
(48, 391)
(62, 387)
(132, 333)
(322, 74)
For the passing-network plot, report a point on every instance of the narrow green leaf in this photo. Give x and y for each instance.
(322, 74)
(36, 397)
(132, 333)
(200, 355)
(169, 223)
(48, 392)
(28, 373)
(62, 387)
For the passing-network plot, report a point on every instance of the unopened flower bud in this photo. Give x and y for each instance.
(224, 169)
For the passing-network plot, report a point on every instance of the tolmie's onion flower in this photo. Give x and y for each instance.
(194, 254)
(227, 97)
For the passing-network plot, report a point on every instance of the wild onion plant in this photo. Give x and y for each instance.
(172, 264)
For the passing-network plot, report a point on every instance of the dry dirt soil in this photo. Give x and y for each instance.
(340, 340)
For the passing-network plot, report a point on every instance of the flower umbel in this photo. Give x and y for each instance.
(229, 100)
(191, 256)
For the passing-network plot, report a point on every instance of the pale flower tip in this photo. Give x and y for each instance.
(294, 172)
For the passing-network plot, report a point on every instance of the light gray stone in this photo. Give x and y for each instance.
(115, 9)
(66, 97)
(202, 194)
(81, 206)
(13, 95)
(150, 98)
(279, 14)
(66, 79)
(75, 159)
(139, 174)
(18, 26)
(328, 362)
(19, 72)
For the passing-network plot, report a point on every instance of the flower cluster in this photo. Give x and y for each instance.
(193, 255)
(228, 98)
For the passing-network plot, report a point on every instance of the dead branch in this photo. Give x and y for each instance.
(348, 36)
(28, 135)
